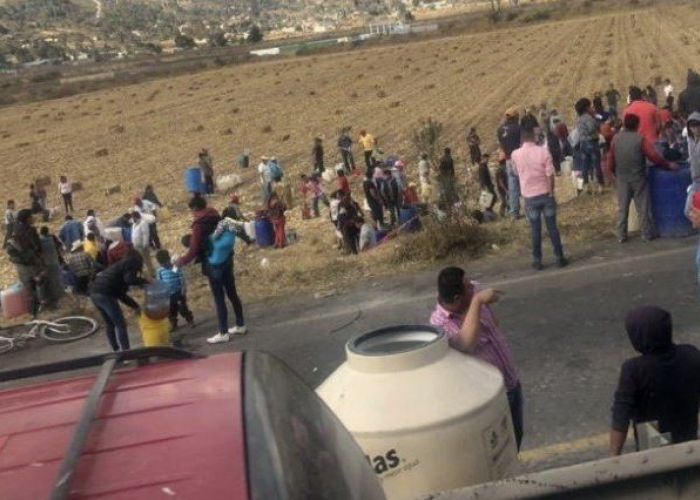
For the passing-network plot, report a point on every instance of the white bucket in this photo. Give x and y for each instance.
(633, 219)
(567, 165)
(249, 228)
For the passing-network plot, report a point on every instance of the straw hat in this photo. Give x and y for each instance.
(512, 112)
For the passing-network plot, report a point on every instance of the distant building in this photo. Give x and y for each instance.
(388, 27)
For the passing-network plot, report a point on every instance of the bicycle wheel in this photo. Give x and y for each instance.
(76, 328)
(6, 345)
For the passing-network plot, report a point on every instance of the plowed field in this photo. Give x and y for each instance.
(152, 131)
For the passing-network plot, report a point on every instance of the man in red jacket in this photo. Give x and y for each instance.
(204, 223)
(648, 113)
(221, 279)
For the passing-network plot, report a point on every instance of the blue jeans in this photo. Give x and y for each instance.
(590, 161)
(115, 324)
(535, 208)
(513, 190)
(222, 285)
(515, 402)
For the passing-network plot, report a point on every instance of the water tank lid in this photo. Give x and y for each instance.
(394, 340)
(396, 348)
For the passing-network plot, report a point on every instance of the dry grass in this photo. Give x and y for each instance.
(149, 133)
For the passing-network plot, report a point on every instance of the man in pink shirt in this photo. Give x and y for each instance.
(464, 314)
(535, 169)
(648, 113)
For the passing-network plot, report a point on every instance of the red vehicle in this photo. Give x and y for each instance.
(231, 426)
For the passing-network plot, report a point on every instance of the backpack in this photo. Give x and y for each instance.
(16, 254)
(276, 171)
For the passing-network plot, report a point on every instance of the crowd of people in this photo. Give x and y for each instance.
(608, 146)
(104, 260)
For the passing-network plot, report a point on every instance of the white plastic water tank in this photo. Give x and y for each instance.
(428, 417)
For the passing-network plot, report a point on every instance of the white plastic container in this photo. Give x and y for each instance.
(249, 228)
(428, 417)
(113, 234)
(567, 166)
(633, 219)
(228, 182)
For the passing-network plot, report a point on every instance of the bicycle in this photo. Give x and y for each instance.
(61, 330)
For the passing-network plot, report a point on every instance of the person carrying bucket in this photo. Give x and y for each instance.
(111, 287)
(627, 161)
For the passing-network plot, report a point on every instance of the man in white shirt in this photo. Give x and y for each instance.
(265, 173)
(668, 92)
(93, 224)
(65, 189)
(149, 208)
(141, 238)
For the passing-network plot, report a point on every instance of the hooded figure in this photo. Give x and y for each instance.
(694, 146)
(661, 385)
(689, 99)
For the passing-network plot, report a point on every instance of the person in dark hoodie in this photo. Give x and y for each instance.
(509, 139)
(110, 287)
(661, 385)
(25, 252)
(217, 266)
(689, 99)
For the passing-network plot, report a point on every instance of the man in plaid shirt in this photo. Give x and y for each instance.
(81, 266)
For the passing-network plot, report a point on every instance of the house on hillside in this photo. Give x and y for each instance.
(387, 27)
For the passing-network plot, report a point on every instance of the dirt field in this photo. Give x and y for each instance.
(152, 131)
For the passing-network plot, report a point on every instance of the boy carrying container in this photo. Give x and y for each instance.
(175, 280)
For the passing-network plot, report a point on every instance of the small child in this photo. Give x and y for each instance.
(175, 280)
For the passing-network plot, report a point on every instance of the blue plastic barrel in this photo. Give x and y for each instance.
(193, 180)
(409, 215)
(669, 191)
(264, 233)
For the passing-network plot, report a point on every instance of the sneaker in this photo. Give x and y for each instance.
(537, 266)
(622, 239)
(238, 330)
(563, 262)
(219, 338)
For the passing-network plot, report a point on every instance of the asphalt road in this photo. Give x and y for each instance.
(565, 327)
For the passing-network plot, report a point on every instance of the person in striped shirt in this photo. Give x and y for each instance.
(175, 280)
